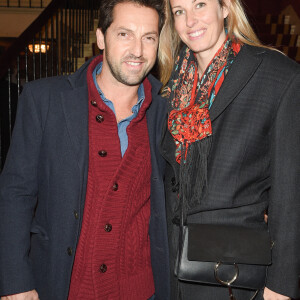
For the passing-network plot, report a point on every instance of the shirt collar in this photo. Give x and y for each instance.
(141, 92)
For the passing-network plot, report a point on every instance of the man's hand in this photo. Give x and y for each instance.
(31, 295)
(270, 295)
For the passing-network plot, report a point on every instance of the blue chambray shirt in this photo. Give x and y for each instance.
(122, 125)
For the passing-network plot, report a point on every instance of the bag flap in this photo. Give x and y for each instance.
(228, 244)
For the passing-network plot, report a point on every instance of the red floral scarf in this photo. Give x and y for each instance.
(189, 122)
(191, 99)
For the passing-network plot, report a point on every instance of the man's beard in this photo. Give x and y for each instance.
(122, 77)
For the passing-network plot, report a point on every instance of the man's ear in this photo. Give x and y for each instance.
(100, 39)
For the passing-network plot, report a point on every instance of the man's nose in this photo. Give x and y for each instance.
(137, 48)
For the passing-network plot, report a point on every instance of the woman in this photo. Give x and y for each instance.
(231, 138)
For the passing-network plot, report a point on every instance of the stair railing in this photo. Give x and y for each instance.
(50, 46)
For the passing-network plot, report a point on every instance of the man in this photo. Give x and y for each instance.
(75, 190)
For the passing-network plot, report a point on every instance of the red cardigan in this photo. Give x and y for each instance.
(112, 258)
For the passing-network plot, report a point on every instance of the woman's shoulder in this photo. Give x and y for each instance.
(273, 59)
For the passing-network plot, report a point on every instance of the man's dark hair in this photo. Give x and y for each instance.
(107, 6)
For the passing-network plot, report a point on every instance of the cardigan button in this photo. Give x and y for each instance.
(99, 118)
(94, 103)
(108, 227)
(115, 187)
(103, 268)
(102, 153)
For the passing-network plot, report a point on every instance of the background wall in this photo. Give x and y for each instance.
(262, 7)
(13, 21)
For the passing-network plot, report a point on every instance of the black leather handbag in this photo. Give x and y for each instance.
(231, 256)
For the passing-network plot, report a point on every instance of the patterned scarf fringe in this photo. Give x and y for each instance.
(193, 174)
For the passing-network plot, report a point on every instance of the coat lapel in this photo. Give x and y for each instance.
(245, 65)
(154, 115)
(75, 108)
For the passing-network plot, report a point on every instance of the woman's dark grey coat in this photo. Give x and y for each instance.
(254, 165)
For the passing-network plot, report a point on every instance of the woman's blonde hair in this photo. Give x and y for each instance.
(236, 23)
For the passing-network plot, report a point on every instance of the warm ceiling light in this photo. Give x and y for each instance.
(38, 48)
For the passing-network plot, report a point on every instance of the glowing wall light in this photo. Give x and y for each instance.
(39, 48)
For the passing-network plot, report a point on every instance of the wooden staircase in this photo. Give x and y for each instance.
(91, 49)
(59, 40)
(277, 32)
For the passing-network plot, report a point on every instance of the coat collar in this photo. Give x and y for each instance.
(243, 68)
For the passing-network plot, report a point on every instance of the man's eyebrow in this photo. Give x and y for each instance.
(151, 32)
(124, 28)
(131, 31)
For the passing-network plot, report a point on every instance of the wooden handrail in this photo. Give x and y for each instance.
(24, 39)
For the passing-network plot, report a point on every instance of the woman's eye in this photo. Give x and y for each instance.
(178, 12)
(199, 5)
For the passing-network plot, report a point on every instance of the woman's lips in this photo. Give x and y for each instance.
(196, 33)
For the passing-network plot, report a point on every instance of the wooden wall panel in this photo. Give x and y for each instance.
(262, 7)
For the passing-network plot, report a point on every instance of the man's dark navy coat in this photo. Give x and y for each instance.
(43, 187)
